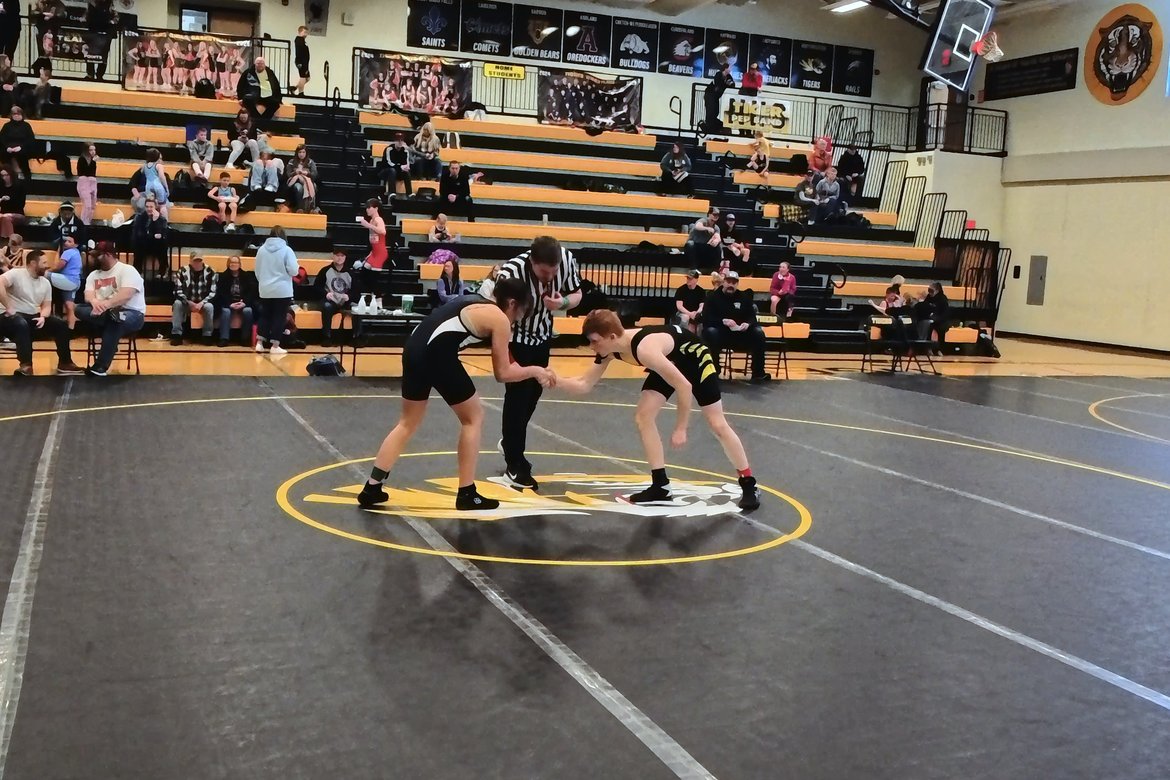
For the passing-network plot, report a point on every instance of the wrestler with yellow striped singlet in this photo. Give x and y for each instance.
(675, 361)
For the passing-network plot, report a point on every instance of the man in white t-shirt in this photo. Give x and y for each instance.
(26, 311)
(114, 303)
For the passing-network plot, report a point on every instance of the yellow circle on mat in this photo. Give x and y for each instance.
(285, 503)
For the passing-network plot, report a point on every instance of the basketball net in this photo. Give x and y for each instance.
(987, 47)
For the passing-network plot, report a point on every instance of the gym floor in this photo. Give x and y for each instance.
(949, 578)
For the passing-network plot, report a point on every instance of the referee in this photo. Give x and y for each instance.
(552, 275)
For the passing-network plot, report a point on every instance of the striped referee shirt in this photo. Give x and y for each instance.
(536, 328)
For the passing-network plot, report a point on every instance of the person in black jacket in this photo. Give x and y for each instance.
(12, 197)
(235, 293)
(395, 167)
(65, 225)
(301, 60)
(100, 18)
(150, 240)
(259, 92)
(712, 96)
(729, 320)
(933, 314)
(9, 27)
(17, 141)
(851, 173)
(455, 192)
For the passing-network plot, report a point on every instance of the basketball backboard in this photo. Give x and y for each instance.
(949, 57)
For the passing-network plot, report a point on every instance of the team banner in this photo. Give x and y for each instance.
(536, 32)
(584, 100)
(853, 71)
(775, 58)
(754, 113)
(586, 39)
(812, 66)
(724, 47)
(428, 85)
(682, 50)
(486, 28)
(432, 24)
(174, 62)
(635, 44)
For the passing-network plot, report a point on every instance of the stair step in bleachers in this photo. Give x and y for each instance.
(545, 132)
(179, 215)
(527, 232)
(609, 200)
(864, 250)
(883, 218)
(196, 107)
(780, 150)
(121, 170)
(63, 129)
(490, 158)
(775, 180)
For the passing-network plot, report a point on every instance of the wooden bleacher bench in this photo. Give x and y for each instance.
(146, 134)
(753, 179)
(878, 290)
(859, 249)
(310, 319)
(511, 130)
(522, 194)
(183, 215)
(159, 102)
(883, 218)
(526, 232)
(780, 150)
(122, 170)
(473, 273)
(490, 158)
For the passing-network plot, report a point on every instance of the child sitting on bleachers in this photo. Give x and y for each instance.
(201, 150)
(226, 200)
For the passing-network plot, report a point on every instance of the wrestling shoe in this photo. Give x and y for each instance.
(519, 480)
(751, 494)
(467, 502)
(372, 495)
(651, 495)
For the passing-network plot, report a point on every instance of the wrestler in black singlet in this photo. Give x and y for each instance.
(430, 358)
(690, 357)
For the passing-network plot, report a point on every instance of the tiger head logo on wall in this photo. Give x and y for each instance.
(1122, 54)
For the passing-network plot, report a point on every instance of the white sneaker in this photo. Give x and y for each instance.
(260, 347)
(6, 344)
(277, 352)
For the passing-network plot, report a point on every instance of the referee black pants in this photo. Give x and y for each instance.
(520, 399)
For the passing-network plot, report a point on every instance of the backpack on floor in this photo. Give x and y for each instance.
(204, 89)
(325, 365)
(211, 224)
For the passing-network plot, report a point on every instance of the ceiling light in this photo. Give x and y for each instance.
(845, 6)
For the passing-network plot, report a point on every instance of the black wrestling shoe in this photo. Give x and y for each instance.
(751, 494)
(372, 495)
(519, 480)
(650, 495)
(474, 501)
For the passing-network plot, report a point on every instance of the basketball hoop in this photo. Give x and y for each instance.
(987, 47)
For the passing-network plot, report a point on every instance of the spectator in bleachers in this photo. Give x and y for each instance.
(227, 201)
(259, 91)
(712, 96)
(235, 293)
(26, 310)
(804, 196)
(822, 156)
(893, 302)
(302, 181)
(150, 239)
(150, 182)
(374, 223)
(455, 192)
(395, 167)
(851, 171)
(7, 82)
(12, 256)
(737, 251)
(782, 291)
(439, 234)
(716, 280)
(752, 80)
(276, 265)
(337, 285)
(12, 199)
(761, 155)
(244, 136)
(450, 286)
(829, 205)
(201, 151)
(102, 20)
(66, 277)
(67, 224)
(427, 162)
(704, 248)
(932, 311)
(729, 320)
(676, 172)
(17, 141)
(263, 176)
(87, 183)
(114, 303)
(194, 292)
(9, 27)
(301, 60)
(688, 302)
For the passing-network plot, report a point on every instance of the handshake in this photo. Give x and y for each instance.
(545, 376)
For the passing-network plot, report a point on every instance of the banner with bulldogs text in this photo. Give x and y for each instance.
(174, 62)
(584, 100)
(428, 85)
